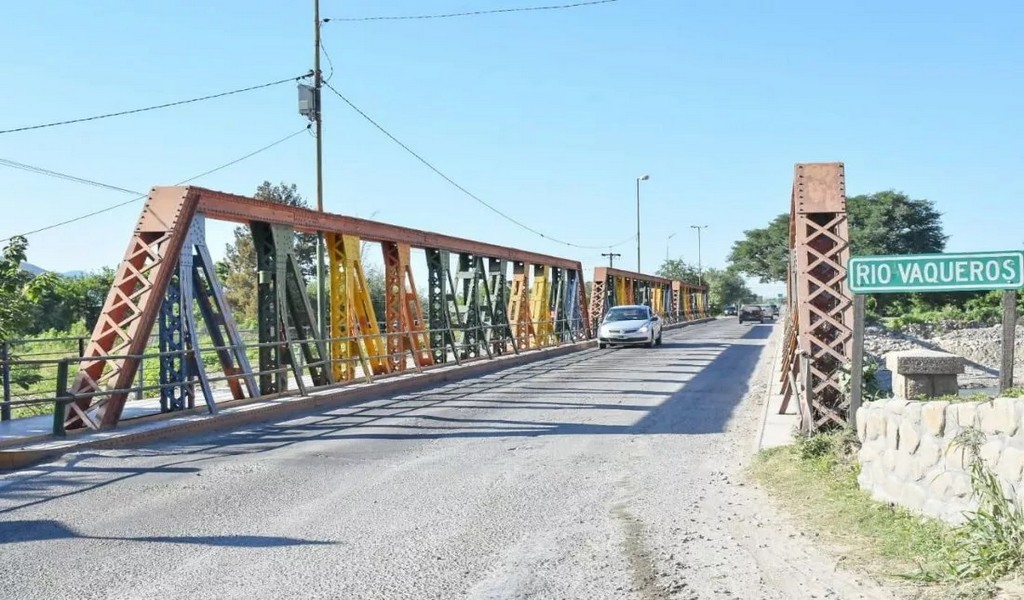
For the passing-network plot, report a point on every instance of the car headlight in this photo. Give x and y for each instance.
(644, 329)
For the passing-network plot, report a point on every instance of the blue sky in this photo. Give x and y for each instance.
(549, 115)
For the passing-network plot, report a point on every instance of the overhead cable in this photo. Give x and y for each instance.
(475, 13)
(159, 106)
(140, 195)
(461, 188)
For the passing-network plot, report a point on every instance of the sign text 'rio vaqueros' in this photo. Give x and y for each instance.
(972, 271)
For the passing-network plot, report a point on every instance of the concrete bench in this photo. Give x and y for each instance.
(928, 373)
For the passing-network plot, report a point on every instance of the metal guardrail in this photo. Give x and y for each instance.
(66, 365)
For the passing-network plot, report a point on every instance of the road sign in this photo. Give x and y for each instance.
(968, 271)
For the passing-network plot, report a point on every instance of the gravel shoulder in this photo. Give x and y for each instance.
(605, 474)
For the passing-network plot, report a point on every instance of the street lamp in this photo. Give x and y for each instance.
(638, 180)
(700, 268)
(666, 246)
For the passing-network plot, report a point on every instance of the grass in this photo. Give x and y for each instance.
(816, 479)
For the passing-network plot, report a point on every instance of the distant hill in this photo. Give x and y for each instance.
(37, 270)
(31, 268)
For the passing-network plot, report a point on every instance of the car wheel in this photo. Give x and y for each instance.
(601, 345)
(659, 339)
(650, 343)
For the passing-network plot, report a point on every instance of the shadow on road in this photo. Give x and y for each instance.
(46, 529)
(711, 379)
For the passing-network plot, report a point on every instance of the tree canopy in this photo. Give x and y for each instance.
(679, 270)
(13, 304)
(886, 222)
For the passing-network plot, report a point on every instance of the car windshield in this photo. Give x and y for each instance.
(626, 314)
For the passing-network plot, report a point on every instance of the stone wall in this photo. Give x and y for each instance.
(906, 456)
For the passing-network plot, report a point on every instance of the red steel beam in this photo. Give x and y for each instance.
(241, 209)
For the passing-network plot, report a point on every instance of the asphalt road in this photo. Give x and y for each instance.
(603, 474)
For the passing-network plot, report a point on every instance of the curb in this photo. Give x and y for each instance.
(775, 364)
(202, 423)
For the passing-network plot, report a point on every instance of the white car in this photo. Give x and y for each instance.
(629, 324)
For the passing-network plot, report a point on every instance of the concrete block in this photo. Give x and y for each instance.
(913, 497)
(960, 485)
(889, 460)
(934, 508)
(933, 417)
(895, 406)
(904, 464)
(924, 362)
(990, 452)
(870, 452)
(892, 432)
(967, 414)
(944, 385)
(929, 452)
(1011, 465)
(909, 439)
(998, 416)
(955, 458)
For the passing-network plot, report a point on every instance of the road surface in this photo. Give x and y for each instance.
(602, 474)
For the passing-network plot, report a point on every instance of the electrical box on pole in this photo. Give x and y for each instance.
(308, 102)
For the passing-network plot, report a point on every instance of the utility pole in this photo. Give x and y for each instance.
(700, 267)
(321, 298)
(611, 258)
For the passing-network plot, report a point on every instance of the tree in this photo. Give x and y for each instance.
(58, 302)
(678, 270)
(762, 252)
(886, 222)
(238, 269)
(726, 286)
(14, 308)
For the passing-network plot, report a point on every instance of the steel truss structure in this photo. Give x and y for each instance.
(674, 301)
(167, 277)
(819, 328)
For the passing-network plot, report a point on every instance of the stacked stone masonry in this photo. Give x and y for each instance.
(907, 458)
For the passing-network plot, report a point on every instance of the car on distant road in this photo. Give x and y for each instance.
(751, 312)
(730, 311)
(629, 324)
(769, 311)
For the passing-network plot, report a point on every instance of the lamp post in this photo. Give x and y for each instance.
(638, 180)
(700, 268)
(666, 246)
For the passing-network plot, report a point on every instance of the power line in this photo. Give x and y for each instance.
(459, 187)
(474, 13)
(41, 171)
(148, 108)
(140, 195)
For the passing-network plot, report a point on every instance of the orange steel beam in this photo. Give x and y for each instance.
(241, 209)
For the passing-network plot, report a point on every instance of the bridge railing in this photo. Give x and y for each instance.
(373, 358)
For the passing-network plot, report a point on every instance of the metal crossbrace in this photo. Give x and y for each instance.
(355, 334)
(598, 299)
(122, 329)
(823, 306)
(441, 305)
(195, 284)
(405, 324)
(540, 306)
(471, 283)
(519, 307)
(217, 316)
(501, 335)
